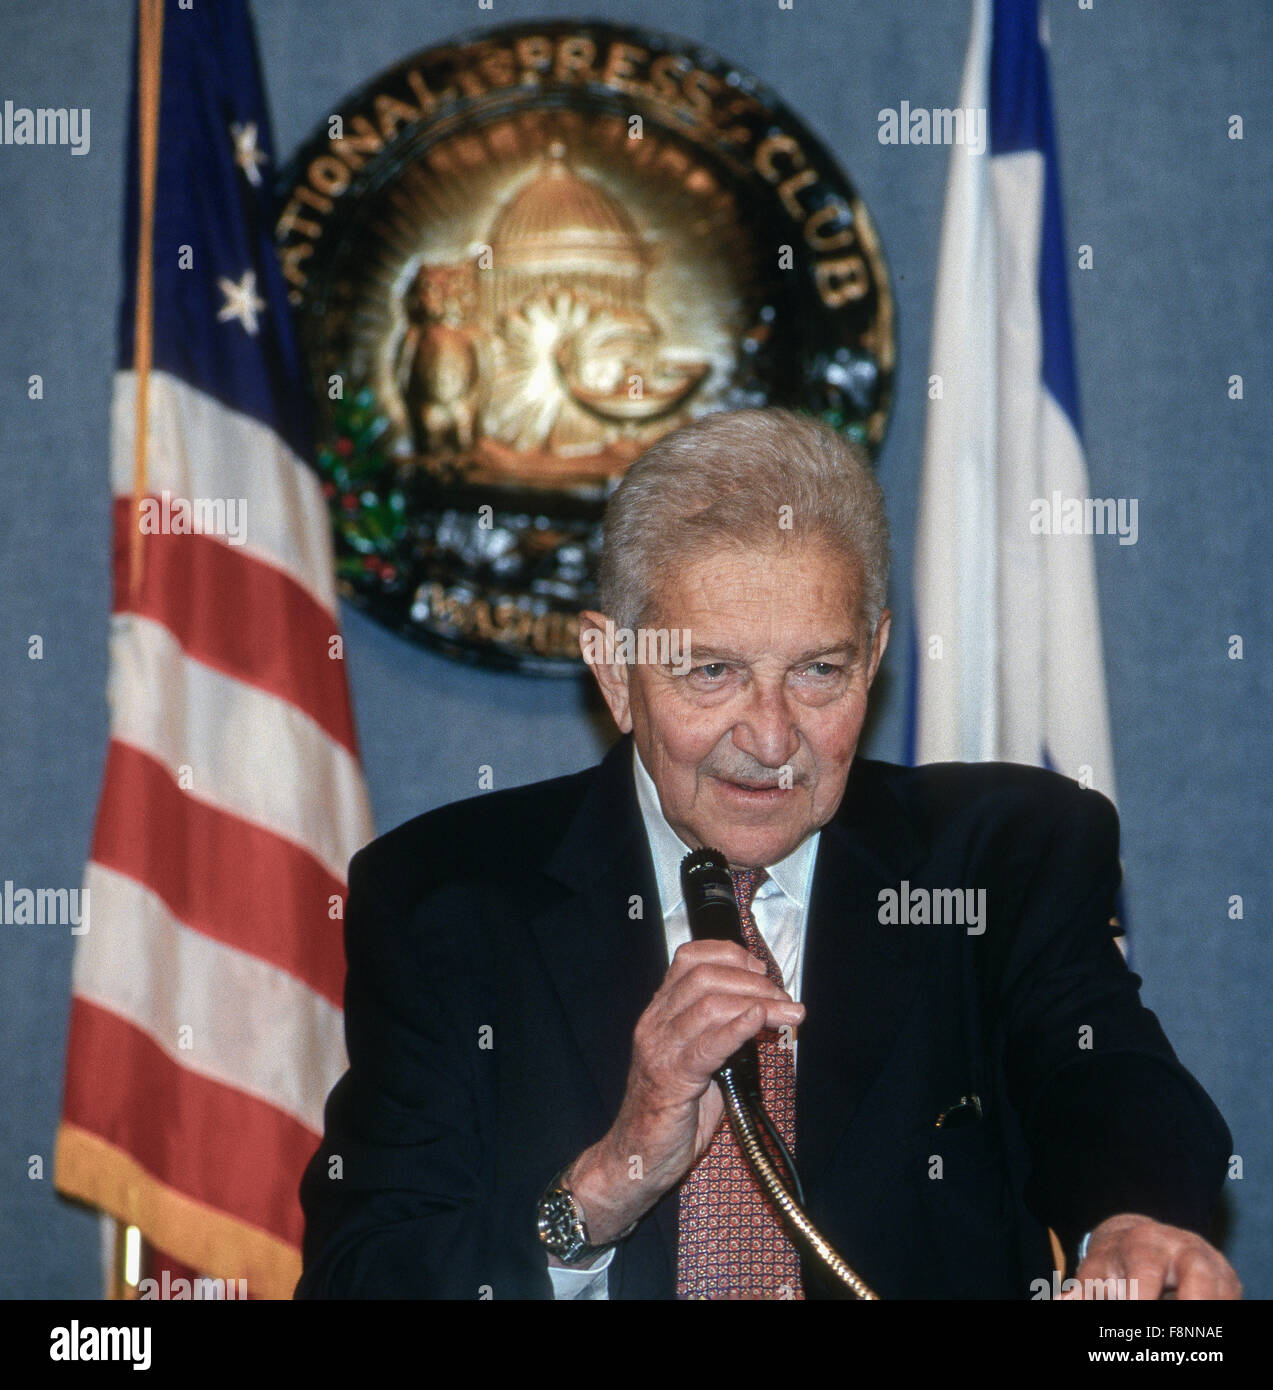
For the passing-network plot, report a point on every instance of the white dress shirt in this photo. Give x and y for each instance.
(781, 911)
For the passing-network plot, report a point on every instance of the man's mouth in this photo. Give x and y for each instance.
(748, 787)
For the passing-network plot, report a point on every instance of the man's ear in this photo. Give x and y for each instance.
(596, 642)
(879, 643)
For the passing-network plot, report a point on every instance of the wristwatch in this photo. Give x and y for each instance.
(560, 1220)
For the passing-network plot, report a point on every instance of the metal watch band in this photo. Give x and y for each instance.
(562, 1229)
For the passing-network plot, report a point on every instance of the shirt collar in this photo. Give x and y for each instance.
(792, 876)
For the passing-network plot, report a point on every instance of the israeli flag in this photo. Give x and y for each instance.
(1008, 661)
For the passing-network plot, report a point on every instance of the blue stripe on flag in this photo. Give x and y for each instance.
(1020, 118)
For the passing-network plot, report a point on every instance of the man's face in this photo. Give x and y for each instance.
(751, 747)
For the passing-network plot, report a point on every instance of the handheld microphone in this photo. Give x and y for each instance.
(713, 916)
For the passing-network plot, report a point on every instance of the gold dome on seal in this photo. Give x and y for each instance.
(561, 228)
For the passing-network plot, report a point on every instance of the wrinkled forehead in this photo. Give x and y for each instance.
(776, 591)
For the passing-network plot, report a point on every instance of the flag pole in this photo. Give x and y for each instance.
(125, 1272)
(150, 28)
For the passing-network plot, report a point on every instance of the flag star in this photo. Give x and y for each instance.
(246, 154)
(241, 301)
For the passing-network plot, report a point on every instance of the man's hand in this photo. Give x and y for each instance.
(1165, 1261)
(714, 997)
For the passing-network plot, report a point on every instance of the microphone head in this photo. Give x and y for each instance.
(710, 905)
(702, 860)
(712, 911)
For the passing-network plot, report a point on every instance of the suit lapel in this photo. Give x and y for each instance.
(859, 977)
(605, 964)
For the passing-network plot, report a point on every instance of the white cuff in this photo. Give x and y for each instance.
(593, 1283)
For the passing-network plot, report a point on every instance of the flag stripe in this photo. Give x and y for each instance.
(251, 1156)
(246, 752)
(1074, 656)
(235, 882)
(92, 1170)
(1021, 119)
(955, 714)
(1017, 464)
(217, 1011)
(199, 447)
(202, 589)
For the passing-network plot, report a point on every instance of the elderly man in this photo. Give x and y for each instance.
(950, 1043)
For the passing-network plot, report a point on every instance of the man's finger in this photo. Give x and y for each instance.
(694, 953)
(718, 1043)
(1200, 1272)
(714, 1012)
(706, 980)
(1112, 1264)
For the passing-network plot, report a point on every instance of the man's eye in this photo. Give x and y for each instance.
(711, 670)
(822, 668)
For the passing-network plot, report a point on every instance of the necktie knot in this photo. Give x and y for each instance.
(746, 881)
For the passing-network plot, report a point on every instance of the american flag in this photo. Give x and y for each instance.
(1008, 662)
(206, 1026)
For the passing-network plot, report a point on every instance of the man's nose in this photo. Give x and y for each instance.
(767, 729)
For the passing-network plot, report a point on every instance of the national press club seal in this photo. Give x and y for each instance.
(518, 259)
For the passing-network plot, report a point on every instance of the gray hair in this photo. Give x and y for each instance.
(721, 481)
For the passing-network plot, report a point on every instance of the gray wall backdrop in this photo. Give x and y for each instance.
(1177, 300)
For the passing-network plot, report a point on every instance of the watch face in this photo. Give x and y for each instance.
(559, 1225)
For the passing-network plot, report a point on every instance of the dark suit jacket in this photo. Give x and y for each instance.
(497, 968)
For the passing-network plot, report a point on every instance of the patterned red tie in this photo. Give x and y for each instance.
(731, 1242)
